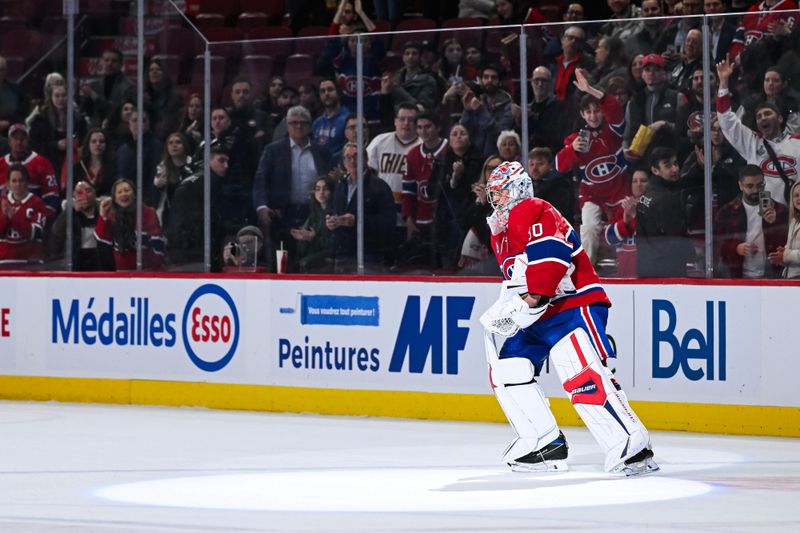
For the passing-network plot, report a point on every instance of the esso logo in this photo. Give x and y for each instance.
(210, 327)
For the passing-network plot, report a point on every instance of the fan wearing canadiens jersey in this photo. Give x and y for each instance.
(597, 156)
(754, 146)
(552, 305)
(23, 216)
(42, 180)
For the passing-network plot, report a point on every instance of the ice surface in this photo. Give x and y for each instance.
(85, 468)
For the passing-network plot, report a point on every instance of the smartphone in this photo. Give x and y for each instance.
(584, 135)
(764, 201)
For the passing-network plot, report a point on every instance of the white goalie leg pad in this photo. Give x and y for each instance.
(603, 408)
(525, 406)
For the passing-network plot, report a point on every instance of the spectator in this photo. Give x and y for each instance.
(185, 226)
(286, 171)
(338, 60)
(509, 146)
(308, 97)
(191, 122)
(101, 97)
(473, 58)
(289, 97)
(161, 98)
(610, 60)
(674, 37)
(573, 12)
(40, 178)
(516, 12)
(350, 18)
(572, 58)
(749, 229)
(387, 152)
(241, 150)
(269, 100)
(48, 125)
(620, 232)
(656, 106)
(597, 155)
(86, 255)
(646, 39)
(452, 68)
(388, 10)
(788, 256)
(23, 217)
(315, 250)
(452, 179)
(620, 25)
(488, 113)
(351, 130)
(117, 125)
(127, 161)
(663, 248)
(116, 228)
(724, 174)
(691, 59)
(14, 103)
(251, 121)
(772, 143)
(329, 127)
(246, 251)
(620, 88)
(476, 254)
(482, 9)
(379, 216)
(776, 90)
(548, 117)
(95, 164)
(689, 122)
(721, 28)
(549, 185)
(635, 71)
(754, 26)
(419, 194)
(413, 83)
(175, 166)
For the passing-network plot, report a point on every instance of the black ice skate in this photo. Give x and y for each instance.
(641, 463)
(551, 458)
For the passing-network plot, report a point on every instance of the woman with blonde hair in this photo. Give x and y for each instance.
(789, 256)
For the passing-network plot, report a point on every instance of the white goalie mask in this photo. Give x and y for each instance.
(507, 186)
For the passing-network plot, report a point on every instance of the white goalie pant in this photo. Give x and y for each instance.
(523, 403)
(603, 408)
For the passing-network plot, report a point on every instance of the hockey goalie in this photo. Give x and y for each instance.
(552, 305)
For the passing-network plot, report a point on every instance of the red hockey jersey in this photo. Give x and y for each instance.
(603, 170)
(21, 235)
(416, 200)
(623, 237)
(755, 25)
(553, 252)
(42, 181)
(152, 241)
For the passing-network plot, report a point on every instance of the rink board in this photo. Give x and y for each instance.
(700, 357)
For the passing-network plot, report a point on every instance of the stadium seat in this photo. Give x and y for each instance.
(299, 67)
(24, 9)
(251, 19)
(399, 40)
(182, 42)
(205, 21)
(274, 9)
(217, 75)
(312, 47)
(279, 50)
(12, 23)
(258, 69)
(229, 9)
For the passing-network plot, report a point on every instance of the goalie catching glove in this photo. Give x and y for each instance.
(510, 312)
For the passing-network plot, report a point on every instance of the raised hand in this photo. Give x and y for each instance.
(581, 82)
(724, 70)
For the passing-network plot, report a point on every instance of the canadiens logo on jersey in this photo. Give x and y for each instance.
(604, 169)
(789, 165)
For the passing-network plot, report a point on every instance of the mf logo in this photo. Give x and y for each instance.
(438, 334)
(694, 344)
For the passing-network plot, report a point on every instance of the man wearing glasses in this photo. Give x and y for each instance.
(286, 173)
(571, 58)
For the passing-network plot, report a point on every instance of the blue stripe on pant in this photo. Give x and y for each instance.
(536, 341)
